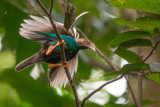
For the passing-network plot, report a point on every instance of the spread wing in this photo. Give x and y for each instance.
(33, 27)
(59, 78)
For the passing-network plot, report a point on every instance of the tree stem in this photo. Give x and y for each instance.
(140, 89)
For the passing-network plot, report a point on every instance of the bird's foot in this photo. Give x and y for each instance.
(54, 65)
(57, 65)
(51, 50)
(66, 64)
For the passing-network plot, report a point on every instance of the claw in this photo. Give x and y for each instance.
(66, 64)
(51, 50)
(57, 65)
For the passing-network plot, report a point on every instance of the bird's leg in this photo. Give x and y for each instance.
(66, 64)
(51, 50)
(57, 65)
(54, 65)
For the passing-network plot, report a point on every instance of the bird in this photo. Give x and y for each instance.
(39, 29)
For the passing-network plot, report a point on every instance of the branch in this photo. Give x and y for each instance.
(98, 89)
(89, 60)
(152, 51)
(62, 49)
(35, 8)
(98, 51)
(50, 10)
(110, 63)
(131, 90)
(99, 65)
(42, 6)
(63, 54)
(140, 74)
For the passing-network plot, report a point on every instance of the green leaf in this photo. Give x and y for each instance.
(155, 77)
(128, 55)
(152, 6)
(155, 66)
(111, 73)
(126, 36)
(135, 42)
(140, 66)
(107, 77)
(146, 23)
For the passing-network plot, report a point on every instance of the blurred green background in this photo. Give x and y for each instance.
(30, 87)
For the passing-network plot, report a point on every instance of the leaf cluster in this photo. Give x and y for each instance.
(145, 28)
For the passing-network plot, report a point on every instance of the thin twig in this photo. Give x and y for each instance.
(89, 60)
(152, 51)
(62, 49)
(42, 6)
(35, 8)
(50, 10)
(131, 90)
(110, 63)
(98, 89)
(98, 51)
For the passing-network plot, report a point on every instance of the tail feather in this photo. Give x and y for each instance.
(28, 62)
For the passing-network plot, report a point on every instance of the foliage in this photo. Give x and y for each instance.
(135, 67)
(150, 23)
(155, 76)
(143, 5)
(126, 36)
(20, 89)
(136, 38)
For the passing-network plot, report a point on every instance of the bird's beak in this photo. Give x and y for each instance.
(91, 46)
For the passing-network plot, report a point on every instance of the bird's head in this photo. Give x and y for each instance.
(84, 44)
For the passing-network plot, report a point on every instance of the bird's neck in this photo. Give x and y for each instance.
(71, 43)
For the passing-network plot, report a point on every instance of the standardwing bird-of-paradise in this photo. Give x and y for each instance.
(40, 30)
